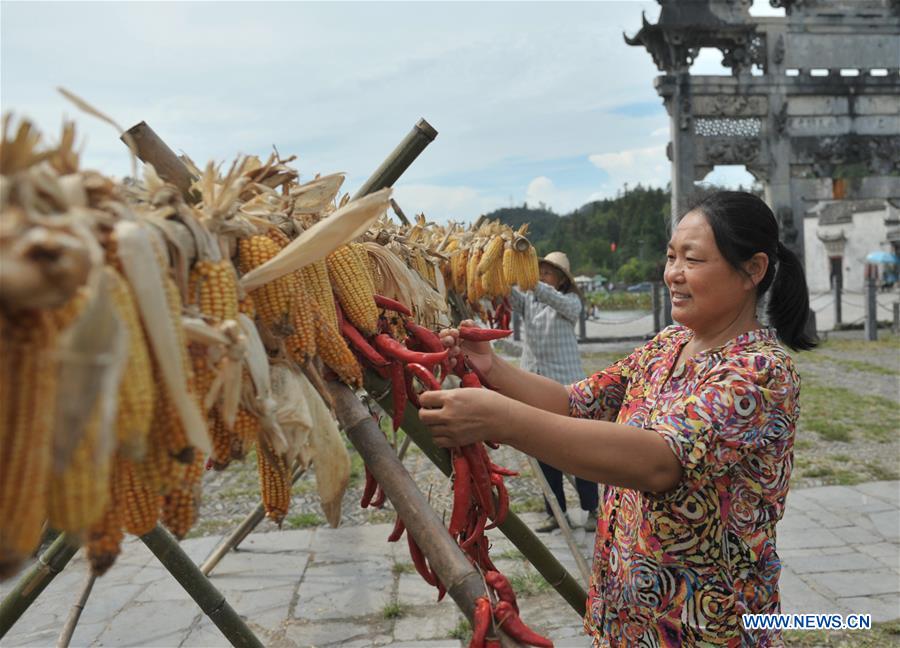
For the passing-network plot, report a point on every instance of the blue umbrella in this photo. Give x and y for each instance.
(882, 257)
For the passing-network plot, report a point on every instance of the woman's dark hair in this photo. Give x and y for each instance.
(743, 225)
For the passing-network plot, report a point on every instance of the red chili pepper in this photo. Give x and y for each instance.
(492, 643)
(397, 531)
(502, 500)
(459, 368)
(419, 561)
(428, 341)
(398, 393)
(477, 533)
(421, 372)
(462, 494)
(512, 625)
(393, 349)
(480, 477)
(475, 334)
(362, 345)
(368, 490)
(502, 587)
(484, 557)
(411, 392)
(500, 470)
(442, 591)
(378, 499)
(481, 622)
(470, 380)
(392, 304)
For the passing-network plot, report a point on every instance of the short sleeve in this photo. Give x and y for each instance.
(600, 396)
(739, 410)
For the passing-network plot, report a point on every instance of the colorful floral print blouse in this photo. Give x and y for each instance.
(679, 568)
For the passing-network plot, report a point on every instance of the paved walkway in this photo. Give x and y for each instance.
(320, 587)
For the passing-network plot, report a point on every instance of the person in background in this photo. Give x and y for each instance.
(550, 313)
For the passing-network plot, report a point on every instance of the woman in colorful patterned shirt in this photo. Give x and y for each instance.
(693, 434)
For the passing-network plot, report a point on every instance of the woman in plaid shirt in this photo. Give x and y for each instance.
(550, 313)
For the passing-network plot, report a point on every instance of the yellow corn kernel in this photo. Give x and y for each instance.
(181, 505)
(493, 254)
(137, 502)
(247, 306)
(222, 441)
(315, 278)
(213, 288)
(301, 344)
(274, 482)
(28, 383)
(137, 390)
(458, 263)
(246, 432)
(333, 350)
(272, 300)
(354, 288)
(104, 540)
(509, 269)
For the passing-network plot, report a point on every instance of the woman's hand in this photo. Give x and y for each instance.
(479, 354)
(457, 417)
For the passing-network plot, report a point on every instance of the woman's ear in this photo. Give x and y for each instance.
(756, 267)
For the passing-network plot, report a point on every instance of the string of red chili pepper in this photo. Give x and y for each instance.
(475, 475)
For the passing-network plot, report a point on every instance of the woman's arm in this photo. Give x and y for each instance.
(526, 387)
(609, 453)
(566, 304)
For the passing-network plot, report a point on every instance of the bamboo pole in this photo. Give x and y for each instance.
(65, 637)
(513, 527)
(421, 135)
(464, 584)
(151, 149)
(30, 586)
(561, 520)
(211, 601)
(245, 528)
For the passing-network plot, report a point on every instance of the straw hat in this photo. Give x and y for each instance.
(559, 261)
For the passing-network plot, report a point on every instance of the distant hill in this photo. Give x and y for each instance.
(636, 221)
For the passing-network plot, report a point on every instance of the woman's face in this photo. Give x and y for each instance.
(550, 275)
(708, 294)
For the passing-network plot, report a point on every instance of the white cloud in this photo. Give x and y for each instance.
(662, 131)
(543, 190)
(442, 204)
(647, 166)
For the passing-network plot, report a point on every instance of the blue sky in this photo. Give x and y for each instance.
(534, 102)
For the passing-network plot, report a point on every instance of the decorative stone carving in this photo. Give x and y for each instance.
(781, 119)
(778, 51)
(760, 172)
(731, 150)
(727, 127)
(723, 105)
(834, 242)
(877, 155)
(684, 119)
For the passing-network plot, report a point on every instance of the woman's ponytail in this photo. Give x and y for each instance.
(788, 308)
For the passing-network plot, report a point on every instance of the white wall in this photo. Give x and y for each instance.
(867, 233)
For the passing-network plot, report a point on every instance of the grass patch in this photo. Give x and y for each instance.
(837, 414)
(616, 301)
(357, 468)
(862, 365)
(304, 520)
(510, 554)
(803, 444)
(881, 634)
(530, 505)
(402, 568)
(528, 583)
(462, 630)
(880, 473)
(594, 362)
(393, 610)
(381, 516)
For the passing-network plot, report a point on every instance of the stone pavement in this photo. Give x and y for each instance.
(840, 546)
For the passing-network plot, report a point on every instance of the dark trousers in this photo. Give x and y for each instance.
(588, 494)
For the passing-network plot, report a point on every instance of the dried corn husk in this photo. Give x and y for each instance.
(321, 239)
(313, 197)
(139, 260)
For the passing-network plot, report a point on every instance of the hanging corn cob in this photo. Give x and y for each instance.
(104, 539)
